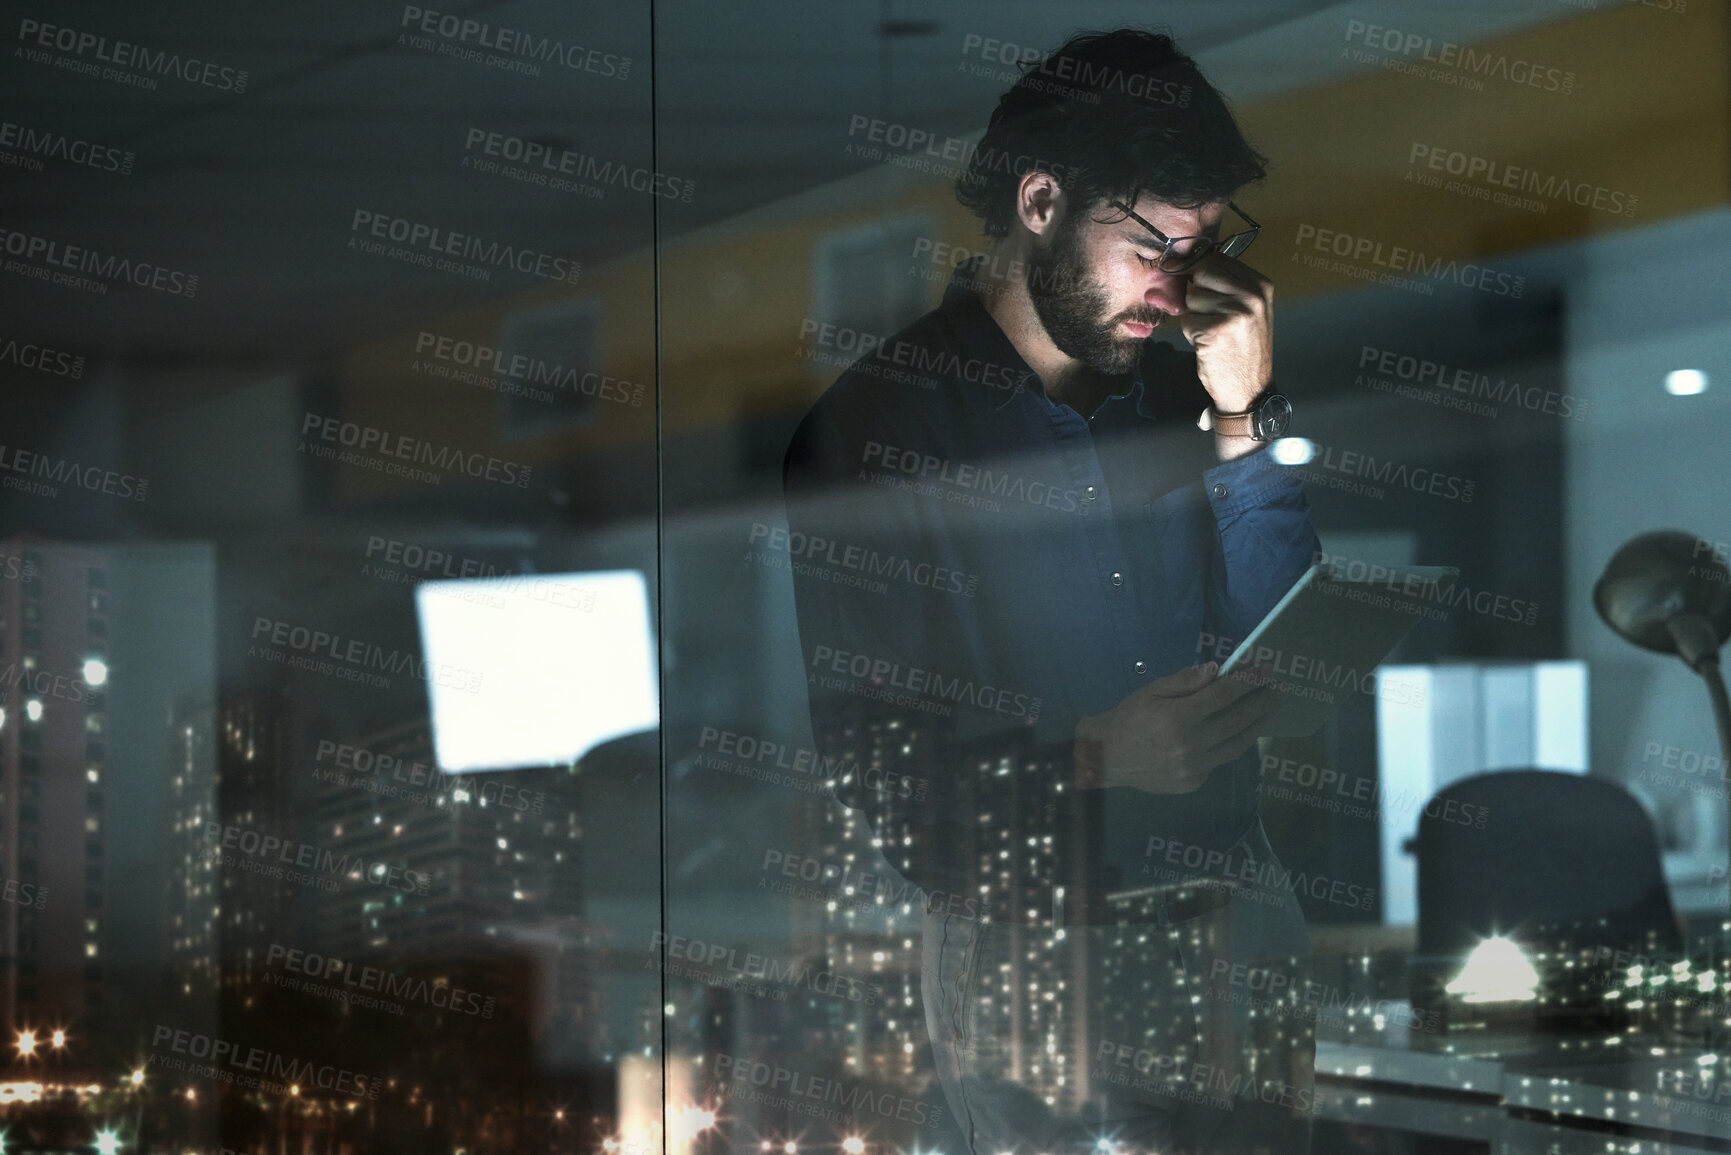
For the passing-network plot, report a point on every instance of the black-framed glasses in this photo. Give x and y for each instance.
(1181, 254)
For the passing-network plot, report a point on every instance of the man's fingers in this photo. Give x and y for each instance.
(1248, 711)
(1222, 693)
(1229, 275)
(1231, 732)
(1189, 781)
(1183, 683)
(1210, 301)
(1187, 711)
(1229, 749)
(1197, 325)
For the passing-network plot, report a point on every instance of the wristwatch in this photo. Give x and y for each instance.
(1265, 421)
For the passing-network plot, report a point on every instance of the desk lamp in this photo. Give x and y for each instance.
(1670, 592)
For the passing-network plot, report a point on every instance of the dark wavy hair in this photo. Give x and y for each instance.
(1111, 115)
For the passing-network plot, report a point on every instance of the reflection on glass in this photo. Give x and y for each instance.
(609, 579)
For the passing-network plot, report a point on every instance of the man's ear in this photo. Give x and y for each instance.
(1040, 202)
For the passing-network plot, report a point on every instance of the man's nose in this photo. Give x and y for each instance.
(1166, 291)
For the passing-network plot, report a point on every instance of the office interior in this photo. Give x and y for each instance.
(405, 742)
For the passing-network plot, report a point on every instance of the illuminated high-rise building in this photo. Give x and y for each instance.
(54, 761)
(253, 794)
(1011, 849)
(192, 902)
(466, 868)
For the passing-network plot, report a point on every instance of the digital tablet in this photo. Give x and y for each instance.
(1323, 640)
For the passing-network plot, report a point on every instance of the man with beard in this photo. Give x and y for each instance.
(1032, 517)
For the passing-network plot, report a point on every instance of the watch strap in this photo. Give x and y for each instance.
(1240, 424)
(1232, 424)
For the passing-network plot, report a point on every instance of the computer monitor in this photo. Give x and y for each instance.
(562, 663)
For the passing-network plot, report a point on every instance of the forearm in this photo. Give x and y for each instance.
(1232, 448)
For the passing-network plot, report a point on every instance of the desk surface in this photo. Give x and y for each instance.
(1471, 1088)
(1391, 1111)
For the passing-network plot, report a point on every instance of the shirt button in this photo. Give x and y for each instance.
(1218, 490)
(1117, 579)
(1091, 492)
(1141, 667)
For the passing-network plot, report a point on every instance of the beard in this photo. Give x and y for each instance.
(1072, 305)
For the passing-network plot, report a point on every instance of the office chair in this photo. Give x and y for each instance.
(1557, 851)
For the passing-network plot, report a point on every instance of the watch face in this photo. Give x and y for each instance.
(1271, 417)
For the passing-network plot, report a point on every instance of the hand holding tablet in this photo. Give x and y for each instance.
(1323, 640)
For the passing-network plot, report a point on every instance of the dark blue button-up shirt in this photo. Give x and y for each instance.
(978, 567)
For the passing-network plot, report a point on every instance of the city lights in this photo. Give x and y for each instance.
(853, 1145)
(107, 1142)
(26, 1043)
(59, 1038)
(95, 671)
(688, 1121)
(33, 709)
